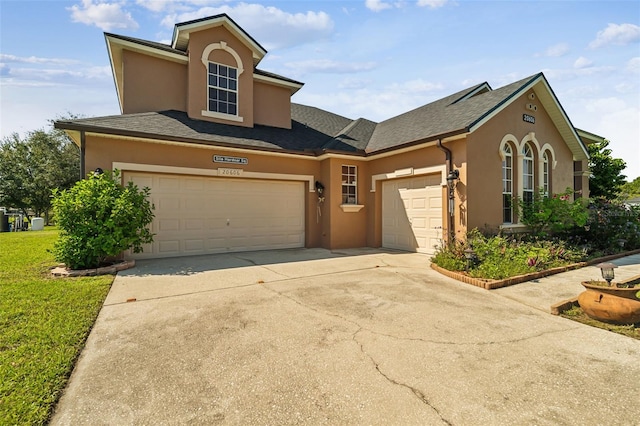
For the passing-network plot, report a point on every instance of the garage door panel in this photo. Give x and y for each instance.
(412, 213)
(165, 225)
(198, 215)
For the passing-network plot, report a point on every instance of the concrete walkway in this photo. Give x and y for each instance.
(544, 292)
(350, 337)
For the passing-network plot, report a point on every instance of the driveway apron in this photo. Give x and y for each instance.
(311, 336)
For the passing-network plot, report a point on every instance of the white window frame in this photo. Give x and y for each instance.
(545, 174)
(222, 88)
(507, 183)
(349, 193)
(528, 175)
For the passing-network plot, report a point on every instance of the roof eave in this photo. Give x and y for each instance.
(291, 85)
(432, 138)
(68, 126)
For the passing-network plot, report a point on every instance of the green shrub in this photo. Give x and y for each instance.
(99, 218)
(611, 227)
(555, 215)
(498, 256)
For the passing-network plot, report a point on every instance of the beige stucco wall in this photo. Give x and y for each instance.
(478, 194)
(484, 175)
(346, 229)
(197, 98)
(271, 105)
(428, 156)
(145, 76)
(103, 152)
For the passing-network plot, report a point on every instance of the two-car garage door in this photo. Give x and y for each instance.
(412, 213)
(201, 215)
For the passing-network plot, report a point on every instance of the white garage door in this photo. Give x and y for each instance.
(200, 215)
(412, 213)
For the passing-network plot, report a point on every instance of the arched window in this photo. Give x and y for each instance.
(545, 174)
(507, 184)
(527, 175)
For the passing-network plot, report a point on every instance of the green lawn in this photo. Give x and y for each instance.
(44, 323)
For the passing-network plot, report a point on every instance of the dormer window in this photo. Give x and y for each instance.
(223, 89)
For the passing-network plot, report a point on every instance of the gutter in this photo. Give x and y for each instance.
(452, 176)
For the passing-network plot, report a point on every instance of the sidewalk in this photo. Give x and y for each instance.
(544, 292)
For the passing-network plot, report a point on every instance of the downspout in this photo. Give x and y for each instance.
(452, 175)
(82, 154)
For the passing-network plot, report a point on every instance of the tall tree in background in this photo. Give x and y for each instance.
(631, 189)
(606, 179)
(31, 167)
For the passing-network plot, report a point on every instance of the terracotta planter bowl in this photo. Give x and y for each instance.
(611, 304)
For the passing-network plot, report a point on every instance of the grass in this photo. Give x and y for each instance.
(576, 314)
(44, 323)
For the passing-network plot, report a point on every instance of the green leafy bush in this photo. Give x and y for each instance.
(553, 215)
(612, 226)
(99, 218)
(499, 256)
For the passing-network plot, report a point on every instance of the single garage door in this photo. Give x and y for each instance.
(412, 213)
(201, 215)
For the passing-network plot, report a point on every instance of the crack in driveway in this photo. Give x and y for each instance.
(416, 392)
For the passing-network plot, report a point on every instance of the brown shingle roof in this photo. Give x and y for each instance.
(316, 130)
(444, 116)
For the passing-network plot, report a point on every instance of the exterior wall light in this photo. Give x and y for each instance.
(470, 255)
(607, 271)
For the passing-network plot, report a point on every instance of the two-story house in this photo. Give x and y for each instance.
(234, 165)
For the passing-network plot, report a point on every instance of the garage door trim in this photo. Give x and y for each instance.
(154, 168)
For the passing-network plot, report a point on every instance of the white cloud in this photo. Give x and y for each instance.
(35, 60)
(633, 65)
(328, 66)
(157, 5)
(433, 4)
(55, 77)
(582, 62)
(379, 103)
(354, 83)
(616, 34)
(273, 27)
(104, 15)
(377, 5)
(415, 86)
(556, 50)
(566, 74)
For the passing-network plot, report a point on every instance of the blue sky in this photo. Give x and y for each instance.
(372, 59)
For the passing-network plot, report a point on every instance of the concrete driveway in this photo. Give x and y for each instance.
(354, 337)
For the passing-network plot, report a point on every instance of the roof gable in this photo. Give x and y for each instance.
(466, 111)
(182, 31)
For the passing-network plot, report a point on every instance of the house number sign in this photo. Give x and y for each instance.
(229, 172)
(230, 160)
(529, 118)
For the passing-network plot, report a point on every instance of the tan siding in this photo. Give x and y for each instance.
(271, 105)
(153, 84)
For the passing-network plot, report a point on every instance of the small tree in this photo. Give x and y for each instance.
(606, 178)
(99, 218)
(31, 167)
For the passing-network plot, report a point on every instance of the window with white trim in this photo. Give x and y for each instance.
(545, 174)
(527, 175)
(222, 89)
(349, 185)
(507, 185)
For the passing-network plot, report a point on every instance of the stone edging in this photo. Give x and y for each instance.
(493, 284)
(62, 271)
